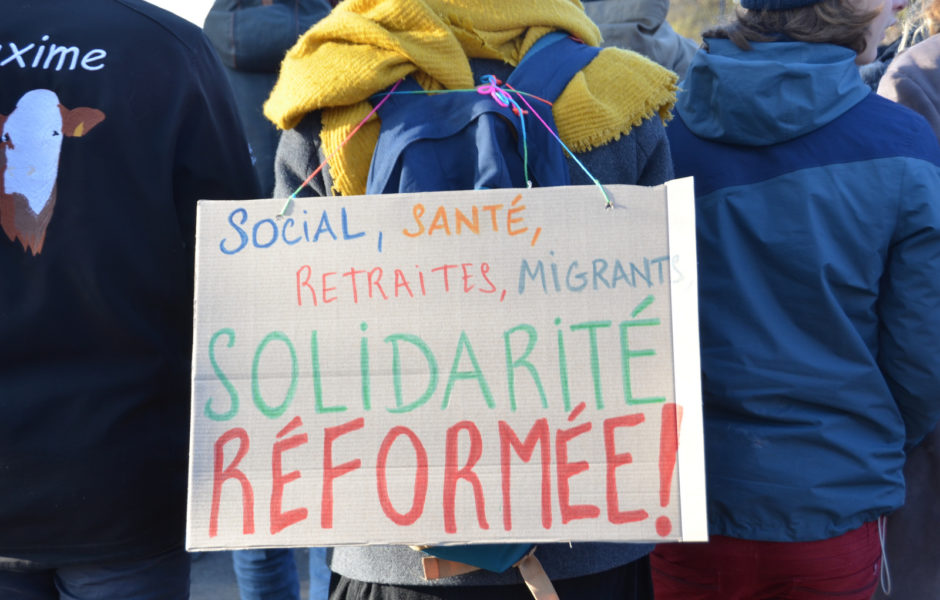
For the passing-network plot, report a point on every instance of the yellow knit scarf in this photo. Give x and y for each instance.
(364, 46)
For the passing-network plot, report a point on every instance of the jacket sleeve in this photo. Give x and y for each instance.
(654, 159)
(640, 158)
(212, 158)
(298, 156)
(909, 305)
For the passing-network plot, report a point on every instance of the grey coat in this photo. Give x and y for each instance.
(913, 79)
(640, 25)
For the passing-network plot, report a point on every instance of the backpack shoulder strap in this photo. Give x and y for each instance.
(543, 71)
(546, 74)
(531, 570)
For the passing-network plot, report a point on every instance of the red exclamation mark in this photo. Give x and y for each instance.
(668, 448)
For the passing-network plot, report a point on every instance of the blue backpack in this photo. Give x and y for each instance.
(465, 141)
(468, 141)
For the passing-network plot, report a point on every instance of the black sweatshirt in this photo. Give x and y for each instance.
(116, 118)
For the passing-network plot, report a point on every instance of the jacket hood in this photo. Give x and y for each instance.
(641, 26)
(252, 35)
(775, 92)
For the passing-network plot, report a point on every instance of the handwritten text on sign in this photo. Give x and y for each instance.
(449, 367)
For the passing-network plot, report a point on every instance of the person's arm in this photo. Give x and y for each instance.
(654, 160)
(212, 159)
(639, 158)
(909, 303)
(298, 156)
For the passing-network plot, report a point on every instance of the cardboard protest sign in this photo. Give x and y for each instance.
(454, 367)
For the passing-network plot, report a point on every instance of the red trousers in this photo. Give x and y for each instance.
(845, 567)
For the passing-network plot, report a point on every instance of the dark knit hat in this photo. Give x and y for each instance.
(776, 4)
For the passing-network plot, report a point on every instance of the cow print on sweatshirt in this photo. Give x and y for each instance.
(31, 138)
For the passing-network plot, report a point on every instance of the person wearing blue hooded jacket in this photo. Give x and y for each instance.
(818, 231)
